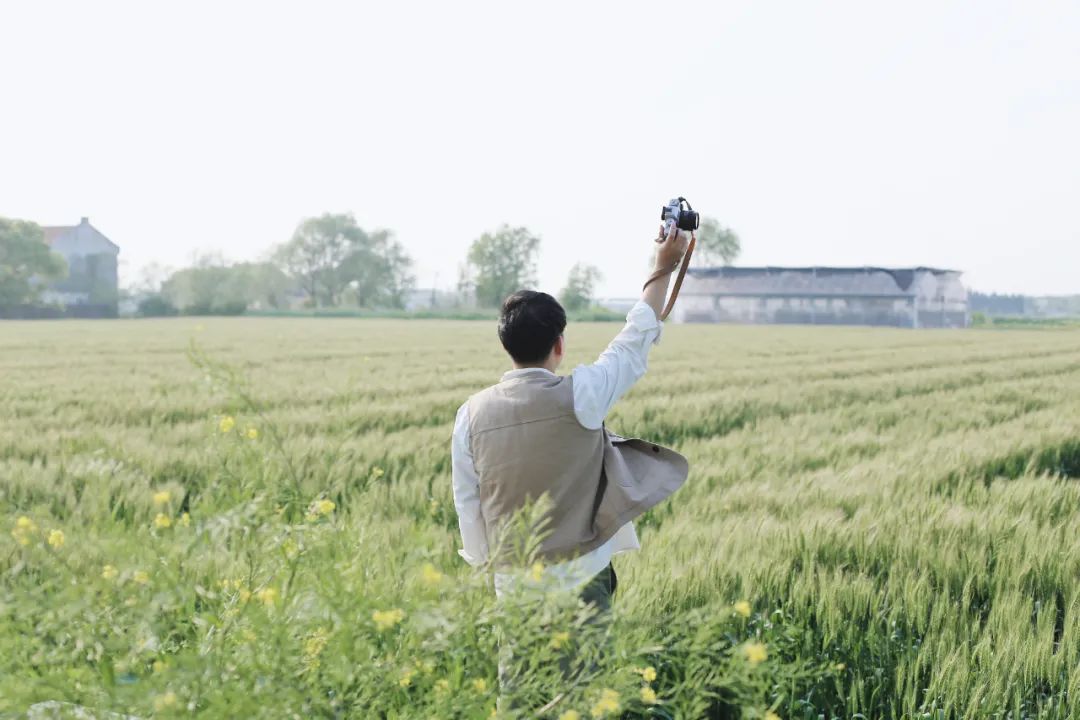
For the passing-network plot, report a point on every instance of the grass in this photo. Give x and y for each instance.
(897, 507)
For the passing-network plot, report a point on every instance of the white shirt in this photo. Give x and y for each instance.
(596, 389)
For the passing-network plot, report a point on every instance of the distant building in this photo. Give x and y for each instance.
(91, 283)
(902, 297)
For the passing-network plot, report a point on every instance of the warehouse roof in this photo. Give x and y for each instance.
(824, 281)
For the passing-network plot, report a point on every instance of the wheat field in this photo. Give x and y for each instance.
(253, 518)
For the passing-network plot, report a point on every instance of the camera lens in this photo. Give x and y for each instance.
(688, 220)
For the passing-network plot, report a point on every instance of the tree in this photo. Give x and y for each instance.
(378, 273)
(580, 287)
(25, 262)
(332, 258)
(501, 263)
(212, 287)
(716, 244)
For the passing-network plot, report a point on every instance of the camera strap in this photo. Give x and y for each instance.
(682, 265)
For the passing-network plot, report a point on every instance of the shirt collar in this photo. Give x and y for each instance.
(525, 372)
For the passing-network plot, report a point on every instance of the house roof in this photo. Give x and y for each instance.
(816, 281)
(55, 232)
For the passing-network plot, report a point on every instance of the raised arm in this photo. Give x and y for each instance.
(597, 387)
(671, 251)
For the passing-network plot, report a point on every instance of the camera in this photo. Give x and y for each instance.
(674, 214)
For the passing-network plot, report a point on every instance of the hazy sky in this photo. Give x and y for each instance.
(829, 133)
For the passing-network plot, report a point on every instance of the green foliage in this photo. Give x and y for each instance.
(336, 262)
(155, 306)
(898, 509)
(716, 244)
(25, 260)
(580, 287)
(501, 263)
(212, 287)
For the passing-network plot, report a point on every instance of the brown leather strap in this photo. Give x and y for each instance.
(678, 281)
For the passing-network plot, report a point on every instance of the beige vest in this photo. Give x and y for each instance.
(526, 443)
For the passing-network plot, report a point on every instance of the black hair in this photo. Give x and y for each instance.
(529, 325)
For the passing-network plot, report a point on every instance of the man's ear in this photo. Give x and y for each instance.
(560, 346)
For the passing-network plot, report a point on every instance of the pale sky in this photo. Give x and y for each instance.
(825, 133)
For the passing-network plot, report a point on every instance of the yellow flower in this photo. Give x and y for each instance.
(755, 653)
(648, 695)
(109, 572)
(320, 508)
(559, 639)
(648, 674)
(771, 716)
(252, 433)
(742, 608)
(56, 538)
(570, 715)
(377, 472)
(406, 678)
(141, 577)
(386, 619)
(185, 520)
(430, 575)
(245, 595)
(268, 596)
(442, 685)
(159, 666)
(24, 528)
(162, 498)
(162, 521)
(480, 685)
(314, 645)
(607, 704)
(163, 702)
(227, 424)
(839, 667)
(536, 572)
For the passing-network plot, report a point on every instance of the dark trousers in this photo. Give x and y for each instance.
(598, 592)
(601, 589)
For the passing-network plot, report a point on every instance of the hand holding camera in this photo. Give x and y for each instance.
(679, 221)
(672, 248)
(675, 245)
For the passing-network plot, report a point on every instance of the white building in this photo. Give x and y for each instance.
(91, 257)
(899, 297)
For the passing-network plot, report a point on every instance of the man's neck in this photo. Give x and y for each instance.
(534, 367)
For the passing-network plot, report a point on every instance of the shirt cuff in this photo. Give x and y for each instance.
(643, 319)
(475, 562)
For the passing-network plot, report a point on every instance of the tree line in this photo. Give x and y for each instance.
(329, 262)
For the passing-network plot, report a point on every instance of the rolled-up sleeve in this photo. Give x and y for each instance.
(597, 387)
(467, 493)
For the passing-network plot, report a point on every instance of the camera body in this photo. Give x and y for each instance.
(675, 215)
